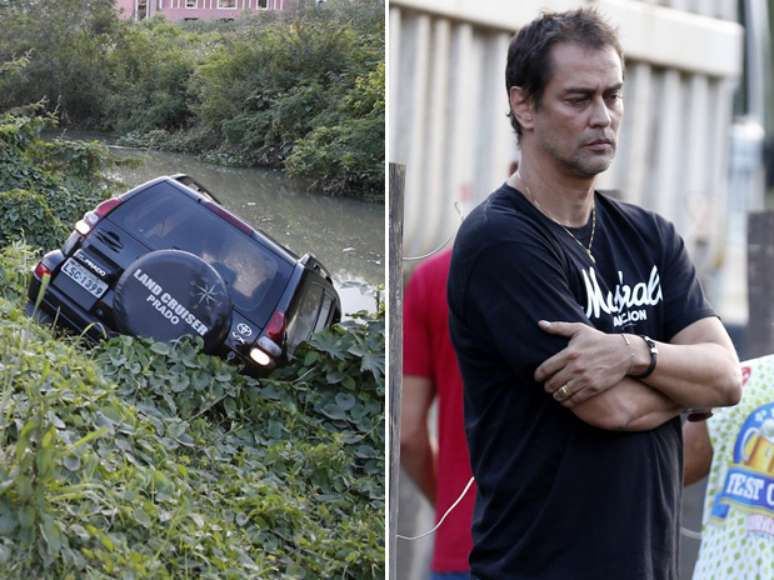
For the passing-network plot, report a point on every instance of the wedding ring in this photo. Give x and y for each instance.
(564, 392)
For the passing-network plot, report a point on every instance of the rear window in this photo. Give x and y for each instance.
(163, 217)
(303, 323)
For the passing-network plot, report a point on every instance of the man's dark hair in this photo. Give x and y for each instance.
(529, 55)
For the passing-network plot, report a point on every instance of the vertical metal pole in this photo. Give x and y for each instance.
(395, 310)
(760, 273)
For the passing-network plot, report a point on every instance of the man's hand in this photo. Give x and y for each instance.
(697, 451)
(418, 454)
(591, 363)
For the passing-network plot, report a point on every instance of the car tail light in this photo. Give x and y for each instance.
(42, 270)
(269, 346)
(107, 206)
(275, 330)
(90, 218)
(229, 217)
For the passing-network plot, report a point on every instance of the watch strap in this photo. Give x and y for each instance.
(653, 350)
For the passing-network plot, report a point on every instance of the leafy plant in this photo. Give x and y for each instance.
(148, 460)
(61, 179)
(25, 215)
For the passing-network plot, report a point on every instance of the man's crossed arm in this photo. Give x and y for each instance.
(699, 368)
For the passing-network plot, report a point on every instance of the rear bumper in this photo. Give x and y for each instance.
(68, 313)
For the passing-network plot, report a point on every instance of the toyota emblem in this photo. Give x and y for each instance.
(244, 329)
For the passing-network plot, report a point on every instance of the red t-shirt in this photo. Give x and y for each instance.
(428, 353)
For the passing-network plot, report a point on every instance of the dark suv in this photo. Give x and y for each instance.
(166, 260)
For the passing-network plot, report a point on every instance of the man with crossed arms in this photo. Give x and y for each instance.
(582, 334)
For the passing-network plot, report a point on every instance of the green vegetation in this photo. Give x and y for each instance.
(136, 459)
(151, 460)
(57, 179)
(302, 92)
(26, 215)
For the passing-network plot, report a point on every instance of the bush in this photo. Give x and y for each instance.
(67, 175)
(341, 158)
(26, 215)
(150, 71)
(346, 151)
(247, 92)
(67, 55)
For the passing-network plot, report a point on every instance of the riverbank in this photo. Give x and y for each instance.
(148, 151)
(302, 91)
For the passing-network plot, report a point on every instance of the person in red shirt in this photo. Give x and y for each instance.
(430, 372)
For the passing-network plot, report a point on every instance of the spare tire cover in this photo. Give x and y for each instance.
(170, 293)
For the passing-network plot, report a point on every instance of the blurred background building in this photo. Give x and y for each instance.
(190, 10)
(691, 145)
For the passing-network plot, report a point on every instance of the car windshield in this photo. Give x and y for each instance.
(163, 217)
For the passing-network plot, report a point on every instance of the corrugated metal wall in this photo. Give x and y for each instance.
(447, 107)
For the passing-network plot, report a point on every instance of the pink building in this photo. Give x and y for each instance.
(179, 10)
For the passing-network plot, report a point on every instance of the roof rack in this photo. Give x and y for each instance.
(189, 181)
(311, 261)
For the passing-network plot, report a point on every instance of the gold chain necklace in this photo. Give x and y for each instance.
(545, 213)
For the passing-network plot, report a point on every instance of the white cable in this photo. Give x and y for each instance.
(690, 533)
(458, 208)
(438, 525)
(431, 252)
(684, 531)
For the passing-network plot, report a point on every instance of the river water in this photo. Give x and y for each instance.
(346, 235)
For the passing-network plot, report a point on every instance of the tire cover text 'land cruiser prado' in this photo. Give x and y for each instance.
(167, 294)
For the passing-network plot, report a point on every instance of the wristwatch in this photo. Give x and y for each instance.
(653, 349)
(698, 414)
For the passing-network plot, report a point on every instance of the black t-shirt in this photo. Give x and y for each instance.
(558, 498)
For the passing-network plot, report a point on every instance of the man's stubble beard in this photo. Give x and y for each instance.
(580, 165)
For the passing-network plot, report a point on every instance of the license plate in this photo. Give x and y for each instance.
(84, 278)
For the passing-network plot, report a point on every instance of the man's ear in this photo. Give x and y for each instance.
(521, 108)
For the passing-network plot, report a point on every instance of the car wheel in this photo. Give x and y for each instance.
(167, 294)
